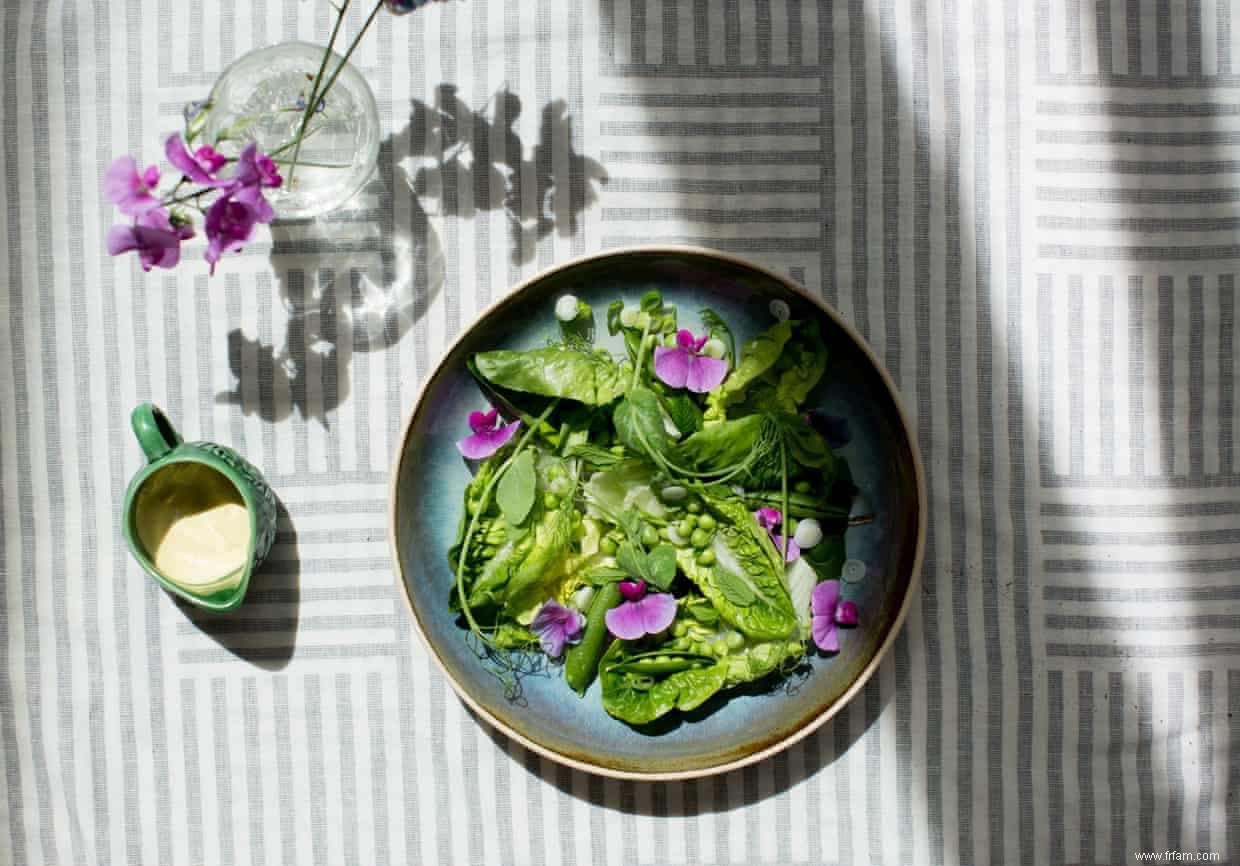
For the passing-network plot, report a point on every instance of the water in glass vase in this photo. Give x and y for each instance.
(262, 98)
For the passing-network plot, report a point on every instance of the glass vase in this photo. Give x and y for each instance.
(262, 97)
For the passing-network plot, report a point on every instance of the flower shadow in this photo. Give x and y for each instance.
(357, 280)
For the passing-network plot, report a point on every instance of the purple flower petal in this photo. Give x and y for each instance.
(229, 224)
(633, 619)
(481, 421)
(793, 553)
(846, 613)
(768, 518)
(705, 373)
(672, 366)
(557, 626)
(685, 340)
(178, 154)
(484, 443)
(129, 191)
(823, 600)
(632, 590)
(156, 247)
(826, 635)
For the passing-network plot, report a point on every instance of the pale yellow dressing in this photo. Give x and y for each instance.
(194, 526)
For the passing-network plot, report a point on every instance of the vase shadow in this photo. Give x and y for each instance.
(359, 279)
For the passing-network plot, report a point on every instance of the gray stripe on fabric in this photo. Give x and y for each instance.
(1163, 36)
(956, 430)
(731, 32)
(717, 187)
(795, 48)
(1140, 651)
(628, 806)
(202, 332)
(253, 769)
(671, 40)
(1178, 537)
(1046, 407)
(1102, 32)
(1187, 622)
(925, 399)
(543, 154)
(1085, 764)
(1196, 373)
(1063, 222)
(888, 64)
(873, 769)
(193, 777)
(1223, 34)
(814, 748)
(1143, 138)
(29, 611)
(1106, 387)
(1112, 566)
(749, 797)
(904, 748)
(1042, 39)
(859, 177)
(722, 216)
(284, 767)
(483, 150)
(287, 624)
(1106, 195)
(223, 769)
(1016, 449)
(1194, 39)
(839, 764)
(314, 768)
(1134, 42)
(827, 275)
(1136, 373)
(679, 128)
(1205, 757)
(1175, 764)
(1166, 373)
(258, 22)
(762, 31)
(1144, 759)
(791, 99)
(1054, 764)
(436, 703)
(228, 25)
(51, 397)
(1076, 374)
(1113, 108)
(1226, 372)
(1137, 166)
(738, 245)
(1115, 766)
(1140, 594)
(348, 767)
(1073, 34)
(738, 156)
(378, 768)
(1233, 776)
(637, 33)
(1153, 509)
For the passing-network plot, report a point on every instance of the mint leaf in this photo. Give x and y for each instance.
(515, 492)
(661, 566)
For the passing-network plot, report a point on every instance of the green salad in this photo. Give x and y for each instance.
(669, 522)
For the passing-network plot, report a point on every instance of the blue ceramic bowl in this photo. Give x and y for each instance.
(429, 476)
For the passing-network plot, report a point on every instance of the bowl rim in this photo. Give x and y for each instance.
(835, 706)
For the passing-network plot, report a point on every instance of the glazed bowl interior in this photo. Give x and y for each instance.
(740, 726)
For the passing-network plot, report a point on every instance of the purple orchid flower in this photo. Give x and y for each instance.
(640, 613)
(684, 365)
(154, 236)
(256, 169)
(488, 436)
(557, 626)
(200, 166)
(229, 225)
(129, 190)
(828, 613)
(771, 519)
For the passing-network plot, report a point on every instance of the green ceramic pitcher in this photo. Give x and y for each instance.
(198, 517)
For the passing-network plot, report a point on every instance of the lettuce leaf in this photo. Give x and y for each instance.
(571, 372)
(640, 699)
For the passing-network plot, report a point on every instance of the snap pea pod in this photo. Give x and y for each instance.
(663, 664)
(581, 662)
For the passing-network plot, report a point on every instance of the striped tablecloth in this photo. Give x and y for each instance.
(1029, 208)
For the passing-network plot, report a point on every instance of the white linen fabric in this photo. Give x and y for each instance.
(1029, 208)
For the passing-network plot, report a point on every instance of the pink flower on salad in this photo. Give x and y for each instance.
(488, 436)
(772, 519)
(130, 191)
(684, 365)
(557, 626)
(640, 613)
(829, 613)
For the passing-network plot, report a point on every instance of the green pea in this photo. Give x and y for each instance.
(650, 535)
(706, 522)
(803, 487)
(706, 557)
(700, 538)
(735, 640)
(618, 450)
(679, 629)
(607, 546)
(555, 471)
(665, 533)
(662, 659)
(694, 506)
(684, 529)
(551, 501)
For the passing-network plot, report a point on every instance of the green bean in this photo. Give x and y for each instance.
(581, 662)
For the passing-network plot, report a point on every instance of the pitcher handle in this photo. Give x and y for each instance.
(155, 432)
